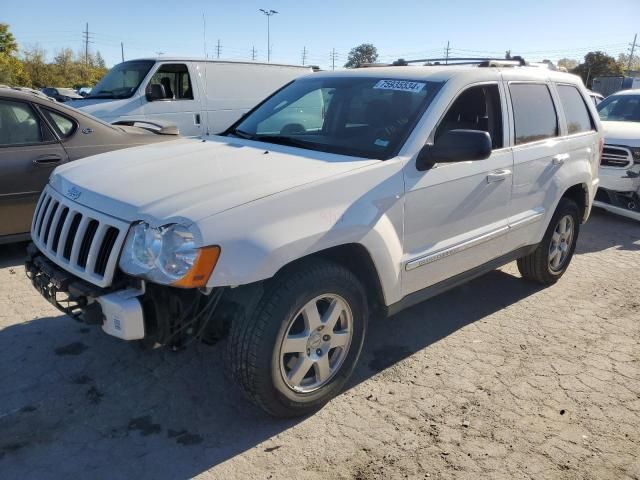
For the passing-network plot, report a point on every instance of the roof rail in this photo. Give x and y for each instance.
(516, 61)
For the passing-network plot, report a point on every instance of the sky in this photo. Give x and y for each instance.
(408, 29)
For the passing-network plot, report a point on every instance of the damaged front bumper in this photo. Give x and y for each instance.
(619, 191)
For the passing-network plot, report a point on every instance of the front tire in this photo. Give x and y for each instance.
(298, 347)
(548, 262)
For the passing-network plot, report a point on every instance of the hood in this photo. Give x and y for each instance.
(187, 180)
(106, 108)
(622, 133)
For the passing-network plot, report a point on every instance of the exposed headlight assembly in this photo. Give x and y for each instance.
(167, 255)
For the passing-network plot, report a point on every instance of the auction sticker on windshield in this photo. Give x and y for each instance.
(399, 85)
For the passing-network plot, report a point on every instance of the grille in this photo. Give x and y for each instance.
(80, 240)
(617, 157)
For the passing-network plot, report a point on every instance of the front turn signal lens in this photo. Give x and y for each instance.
(202, 268)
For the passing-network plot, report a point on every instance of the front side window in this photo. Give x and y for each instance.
(364, 117)
(19, 124)
(174, 81)
(477, 108)
(575, 110)
(533, 111)
(123, 80)
(620, 108)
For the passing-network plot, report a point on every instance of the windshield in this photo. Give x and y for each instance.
(122, 80)
(622, 108)
(364, 117)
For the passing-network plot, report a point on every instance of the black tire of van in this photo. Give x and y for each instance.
(536, 266)
(253, 353)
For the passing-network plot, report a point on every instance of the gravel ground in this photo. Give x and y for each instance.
(496, 379)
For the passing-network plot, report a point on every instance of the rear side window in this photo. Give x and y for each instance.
(174, 80)
(19, 124)
(575, 110)
(533, 111)
(64, 125)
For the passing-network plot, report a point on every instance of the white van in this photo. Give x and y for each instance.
(200, 97)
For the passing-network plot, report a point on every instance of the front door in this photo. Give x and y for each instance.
(28, 154)
(456, 214)
(180, 104)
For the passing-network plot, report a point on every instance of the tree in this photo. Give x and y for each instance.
(36, 67)
(568, 63)
(12, 71)
(597, 64)
(365, 53)
(8, 44)
(623, 59)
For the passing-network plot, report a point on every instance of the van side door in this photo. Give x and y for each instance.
(172, 95)
(537, 156)
(456, 214)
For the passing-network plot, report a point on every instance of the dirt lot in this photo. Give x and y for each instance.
(496, 379)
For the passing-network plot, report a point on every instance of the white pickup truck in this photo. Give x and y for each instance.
(343, 194)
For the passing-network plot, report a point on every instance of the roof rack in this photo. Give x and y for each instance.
(516, 61)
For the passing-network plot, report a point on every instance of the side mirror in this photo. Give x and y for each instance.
(155, 91)
(455, 146)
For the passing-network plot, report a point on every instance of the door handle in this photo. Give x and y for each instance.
(559, 159)
(498, 176)
(197, 118)
(47, 159)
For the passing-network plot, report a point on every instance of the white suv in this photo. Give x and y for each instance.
(396, 183)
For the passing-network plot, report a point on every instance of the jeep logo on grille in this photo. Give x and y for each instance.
(73, 193)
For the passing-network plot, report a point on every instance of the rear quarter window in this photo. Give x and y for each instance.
(575, 110)
(534, 114)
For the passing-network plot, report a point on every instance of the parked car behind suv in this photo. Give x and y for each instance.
(619, 190)
(61, 94)
(38, 134)
(287, 238)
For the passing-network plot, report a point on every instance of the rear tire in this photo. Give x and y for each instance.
(548, 262)
(312, 316)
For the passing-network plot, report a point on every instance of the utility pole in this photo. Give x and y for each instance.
(204, 35)
(122, 50)
(446, 51)
(253, 53)
(86, 36)
(333, 58)
(304, 56)
(268, 13)
(218, 49)
(633, 47)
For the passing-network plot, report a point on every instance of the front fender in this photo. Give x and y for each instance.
(364, 207)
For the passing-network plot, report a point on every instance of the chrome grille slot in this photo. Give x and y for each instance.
(616, 157)
(80, 240)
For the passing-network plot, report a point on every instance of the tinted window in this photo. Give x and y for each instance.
(19, 124)
(175, 81)
(477, 108)
(534, 114)
(622, 108)
(363, 117)
(575, 110)
(65, 126)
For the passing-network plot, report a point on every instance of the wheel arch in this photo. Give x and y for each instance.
(579, 193)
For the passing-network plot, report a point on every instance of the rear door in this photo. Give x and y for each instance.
(182, 104)
(536, 159)
(28, 153)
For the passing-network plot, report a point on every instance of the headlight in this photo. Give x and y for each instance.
(167, 255)
(635, 153)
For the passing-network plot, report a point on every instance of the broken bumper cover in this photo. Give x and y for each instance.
(119, 311)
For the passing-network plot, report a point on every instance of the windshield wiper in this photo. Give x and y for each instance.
(242, 134)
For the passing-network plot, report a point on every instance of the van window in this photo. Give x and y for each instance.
(175, 81)
(575, 110)
(123, 80)
(477, 108)
(533, 111)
